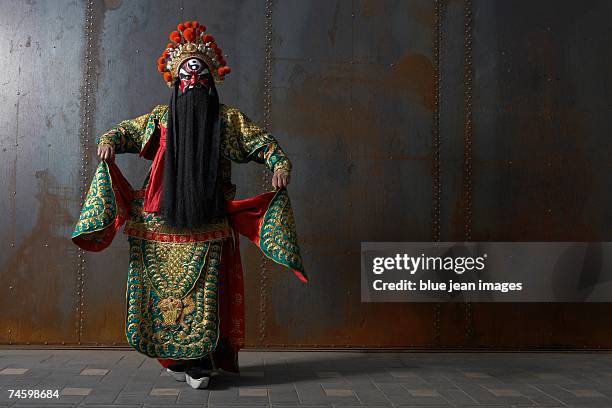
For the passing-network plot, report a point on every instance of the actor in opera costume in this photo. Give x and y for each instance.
(185, 285)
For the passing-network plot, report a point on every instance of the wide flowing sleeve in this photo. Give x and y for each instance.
(105, 209)
(243, 141)
(267, 221)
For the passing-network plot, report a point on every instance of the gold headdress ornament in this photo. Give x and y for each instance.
(189, 41)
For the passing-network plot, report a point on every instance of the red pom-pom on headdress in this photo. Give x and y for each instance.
(167, 76)
(188, 24)
(180, 27)
(189, 34)
(175, 36)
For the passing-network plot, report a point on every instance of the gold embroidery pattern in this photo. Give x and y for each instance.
(158, 116)
(171, 309)
(152, 226)
(278, 239)
(274, 157)
(283, 166)
(100, 207)
(169, 326)
(131, 135)
(173, 268)
(241, 137)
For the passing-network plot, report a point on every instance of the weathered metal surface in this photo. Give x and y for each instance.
(352, 89)
(352, 103)
(40, 158)
(542, 151)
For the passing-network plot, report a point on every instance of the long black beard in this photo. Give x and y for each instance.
(191, 188)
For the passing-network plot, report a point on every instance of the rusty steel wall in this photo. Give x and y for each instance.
(40, 164)
(542, 155)
(406, 120)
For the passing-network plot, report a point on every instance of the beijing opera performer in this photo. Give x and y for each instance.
(185, 284)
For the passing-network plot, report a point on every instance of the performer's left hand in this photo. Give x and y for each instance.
(280, 179)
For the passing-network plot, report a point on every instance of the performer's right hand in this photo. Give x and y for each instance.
(106, 153)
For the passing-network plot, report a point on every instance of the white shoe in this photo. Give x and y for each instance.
(197, 383)
(178, 375)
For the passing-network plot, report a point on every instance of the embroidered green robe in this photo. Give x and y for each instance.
(172, 293)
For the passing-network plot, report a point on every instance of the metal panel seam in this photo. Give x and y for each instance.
(436, 171)
(467, 145)
(86, 113)
(267, 100)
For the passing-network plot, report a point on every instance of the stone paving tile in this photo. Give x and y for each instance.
(483, 396)
(423, 392)
(570, 399)
(131, 397)
(536, 395)
(82, 381)
(476, 375)
(190, 396)
(335, 382)
(368, 406)
(95, 371)
(456, 397)
(384, 377)
(102, 395)
(339, 392)
(110, 406)
(312, 394)
(13, 371)
(154, 405)
(252, 392)
(76, 391)
(397, 394)
(283, 394)
(166, 400)
(164, 391)
(23, 404)
(231, 396)
(505, 392)
(586, 393)
(404, 374)
(370, 395)
(70, 369)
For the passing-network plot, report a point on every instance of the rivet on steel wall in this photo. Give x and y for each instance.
(267, 123)
(436, 172)
(87, 110)
(468, 72)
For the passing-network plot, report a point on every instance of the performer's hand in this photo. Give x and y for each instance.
(280, 179)
(106, 153)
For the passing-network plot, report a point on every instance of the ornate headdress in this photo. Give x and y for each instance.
(189, 41)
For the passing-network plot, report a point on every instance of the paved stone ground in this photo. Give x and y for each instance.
(314, 379)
